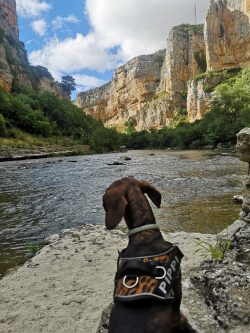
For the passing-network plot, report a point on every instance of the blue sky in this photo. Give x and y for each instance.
(89, 38)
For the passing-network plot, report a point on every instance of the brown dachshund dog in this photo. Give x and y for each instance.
(126, 198)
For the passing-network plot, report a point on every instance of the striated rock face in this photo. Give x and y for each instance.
(148, 89)
(14, 64)
(200, 95)
(8, 17)
(198, 100)
(227, 40)
(185, 57)
(140, 94)
(132, 86)
(227, 34)
(50, 85)
(157, 113)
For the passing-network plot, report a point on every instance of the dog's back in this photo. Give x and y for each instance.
(144, 318)
(126, 198)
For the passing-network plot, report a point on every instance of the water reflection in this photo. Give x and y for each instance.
(41, 197)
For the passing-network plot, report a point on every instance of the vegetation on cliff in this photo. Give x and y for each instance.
(45, 115)
(230, 112)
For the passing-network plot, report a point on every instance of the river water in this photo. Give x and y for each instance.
(41, 197)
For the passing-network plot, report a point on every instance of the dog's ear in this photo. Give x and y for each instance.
(114, 203)
(151, 191)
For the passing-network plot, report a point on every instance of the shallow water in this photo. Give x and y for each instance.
(42, 197)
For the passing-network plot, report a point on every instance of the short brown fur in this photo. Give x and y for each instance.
(126, 198)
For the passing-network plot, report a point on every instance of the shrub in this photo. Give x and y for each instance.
(5, 105)
(15, 134)
(43, 127)
(104, 140)
(2, 34)
(2, 126)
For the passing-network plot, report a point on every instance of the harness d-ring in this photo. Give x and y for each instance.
(133, 285)
(164, 273)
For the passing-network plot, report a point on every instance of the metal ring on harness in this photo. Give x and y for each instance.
(133, 285)
(164, 273)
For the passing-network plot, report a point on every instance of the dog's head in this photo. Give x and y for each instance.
(125, 198)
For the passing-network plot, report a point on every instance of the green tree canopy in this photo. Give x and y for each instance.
(68, 83)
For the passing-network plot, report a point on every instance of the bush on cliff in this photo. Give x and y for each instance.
(230, 112)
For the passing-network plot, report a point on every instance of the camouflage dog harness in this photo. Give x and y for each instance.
(148, 277)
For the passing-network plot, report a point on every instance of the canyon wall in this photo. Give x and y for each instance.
(152, 98)
(227, 41)
(14, 64)
(185, 57)
(148, 89)
(121, 100)
(227, 34)
(8, 17)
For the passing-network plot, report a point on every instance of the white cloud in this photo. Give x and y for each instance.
(119, 30)
(140, 27)
(31, 8)
(40, 27)
(73, 54)
(85, 82)
(60, 21)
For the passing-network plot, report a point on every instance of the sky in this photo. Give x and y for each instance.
(88, 39)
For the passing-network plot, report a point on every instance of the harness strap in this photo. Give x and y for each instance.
(151, 277)
(135, 267)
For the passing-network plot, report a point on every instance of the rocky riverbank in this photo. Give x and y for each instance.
(216, 293)
(68, 284)
(225, 284)
(18, 154)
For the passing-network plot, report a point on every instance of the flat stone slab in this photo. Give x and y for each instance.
(68, 284)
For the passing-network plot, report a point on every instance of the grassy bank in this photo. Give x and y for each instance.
(27, 143)
(39, 120)
(31, 119)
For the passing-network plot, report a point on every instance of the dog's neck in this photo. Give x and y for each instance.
(142, 228)
(146, 242)
(138, 212)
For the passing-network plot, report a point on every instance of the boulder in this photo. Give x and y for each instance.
(243, 145)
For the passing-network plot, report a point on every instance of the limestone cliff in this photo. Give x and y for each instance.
(8, 17)
(148, 89)
(227, 40)
(185, 57)
(227, 34)
(149, 94)
(200, 95)
(131, 87)
(14, 65)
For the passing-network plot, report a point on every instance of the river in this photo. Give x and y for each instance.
(41, 197)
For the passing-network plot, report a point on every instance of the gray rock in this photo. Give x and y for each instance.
(225, 284)
(243, 145)
(104, 321)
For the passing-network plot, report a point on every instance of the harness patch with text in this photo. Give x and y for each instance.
(149, 277)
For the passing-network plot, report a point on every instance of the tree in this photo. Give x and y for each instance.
(68, 83)
(2, 126)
